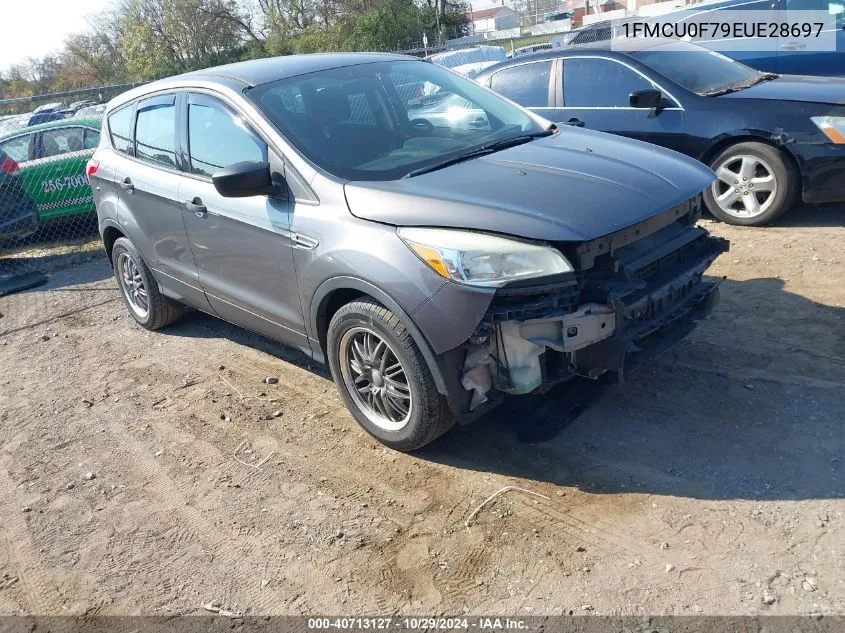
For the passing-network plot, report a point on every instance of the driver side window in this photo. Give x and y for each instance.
(217, 137)
(594, 83)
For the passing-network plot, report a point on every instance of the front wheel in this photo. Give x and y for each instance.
(383, 378)
(754, 185)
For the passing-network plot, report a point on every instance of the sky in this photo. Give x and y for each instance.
(34, 28)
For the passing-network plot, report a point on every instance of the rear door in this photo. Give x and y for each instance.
(242, 246)
(595, 94)
(148, 180)
(59, 169)
(798, 57)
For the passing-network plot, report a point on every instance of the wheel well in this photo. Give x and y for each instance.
(330, 304)
(110, 236)
(734, 140)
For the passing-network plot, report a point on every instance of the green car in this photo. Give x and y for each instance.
(52, 158)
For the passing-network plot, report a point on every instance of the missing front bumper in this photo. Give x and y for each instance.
(645, 298)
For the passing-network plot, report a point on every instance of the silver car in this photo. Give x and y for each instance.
(434, 268)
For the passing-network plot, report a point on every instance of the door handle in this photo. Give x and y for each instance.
(196, 205)
(304, 241)
(575, 122)
(127, 185)
(793, 46)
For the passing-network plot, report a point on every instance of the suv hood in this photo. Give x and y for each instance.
(576, 185)
(829, 90)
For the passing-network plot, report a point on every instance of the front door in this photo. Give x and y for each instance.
(242, 246)
(596, 96)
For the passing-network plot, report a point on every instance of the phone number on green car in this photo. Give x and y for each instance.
(68, 182)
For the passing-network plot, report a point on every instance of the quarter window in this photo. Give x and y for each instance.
(527, 84)
(62, 141)
(599, 83)
(17, 148)
(217, 137)
(92, 139)
(120, 126)
(155, 138)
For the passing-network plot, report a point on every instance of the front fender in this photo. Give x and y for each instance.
(778, 138)
(320, 302)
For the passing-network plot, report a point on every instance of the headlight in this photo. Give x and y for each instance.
(832, 126)
(480, 259)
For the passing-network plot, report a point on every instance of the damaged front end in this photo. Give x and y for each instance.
(632, 294)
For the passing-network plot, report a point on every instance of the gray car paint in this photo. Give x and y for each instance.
(566, 187)
(335, 251)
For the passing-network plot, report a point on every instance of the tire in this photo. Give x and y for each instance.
(160, 310)
(751, 161)
(427, 416)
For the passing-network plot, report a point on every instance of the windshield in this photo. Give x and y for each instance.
(698, 69)
(382, 120)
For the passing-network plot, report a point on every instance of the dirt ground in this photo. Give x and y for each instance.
(712, 482)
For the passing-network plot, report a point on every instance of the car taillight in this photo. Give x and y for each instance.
(9, 166)
(91, 168)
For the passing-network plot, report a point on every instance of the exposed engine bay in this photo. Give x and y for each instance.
(632, 294)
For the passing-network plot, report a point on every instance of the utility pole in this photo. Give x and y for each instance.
(437, 18)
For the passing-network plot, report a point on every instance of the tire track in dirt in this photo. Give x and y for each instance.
(39, 592)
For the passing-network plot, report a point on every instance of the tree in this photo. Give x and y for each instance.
(163, 37)
(139, 40)
(390, 25)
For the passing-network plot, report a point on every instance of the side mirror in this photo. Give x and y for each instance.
(646, 99)
(243, 180)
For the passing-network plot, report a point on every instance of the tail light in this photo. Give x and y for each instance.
(8, 166)
(91, 169)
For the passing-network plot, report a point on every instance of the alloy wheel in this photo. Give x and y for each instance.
(132, 285)
(745, 186)
(375, 378)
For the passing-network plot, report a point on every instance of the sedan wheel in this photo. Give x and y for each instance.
(745, 186)
(755, 183)
(375, 378)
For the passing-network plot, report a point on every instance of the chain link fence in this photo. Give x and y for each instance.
(47, 215)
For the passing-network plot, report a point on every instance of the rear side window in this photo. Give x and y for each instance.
(120, 126)
(527, 84)
(61, 141)
(218, 137)
(599, 83)
(17, 148)
(92, 139)
(155, 131)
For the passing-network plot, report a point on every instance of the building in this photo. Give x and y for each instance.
(498, 18)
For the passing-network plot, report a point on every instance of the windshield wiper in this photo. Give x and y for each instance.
(483, 150)
(742, 86)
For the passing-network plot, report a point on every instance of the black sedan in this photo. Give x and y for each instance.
(18, 213)
(768, 137)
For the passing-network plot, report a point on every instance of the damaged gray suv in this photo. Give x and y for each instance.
(436, 263)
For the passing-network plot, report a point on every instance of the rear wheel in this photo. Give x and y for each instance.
(140, 291)
(383, 377)
(754, 184)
